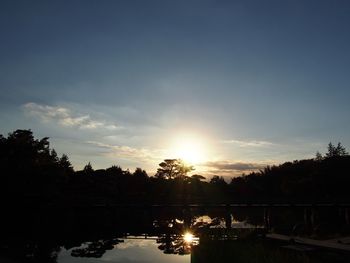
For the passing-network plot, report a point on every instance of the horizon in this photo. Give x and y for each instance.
(229, 87)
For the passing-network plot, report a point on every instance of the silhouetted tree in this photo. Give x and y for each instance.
(139, 173)
(114, 170)
(217, 180)
(319, 156)
(88, 169)
(197, 178)
(173, 168)
(334, 151)
(31, 171)
(65, 164)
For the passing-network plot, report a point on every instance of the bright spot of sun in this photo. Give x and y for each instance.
(191, 149)
(188, 237)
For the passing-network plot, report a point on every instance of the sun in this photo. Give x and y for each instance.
(189, 148)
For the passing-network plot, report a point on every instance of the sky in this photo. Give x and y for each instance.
(231, 86)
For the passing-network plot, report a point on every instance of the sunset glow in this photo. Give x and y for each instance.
(190, 149)
(133, 84)
(188, 237)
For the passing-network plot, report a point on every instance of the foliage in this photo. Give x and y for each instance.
(34, 174)
(335, 151)
(173, 168)
(88, 169)
(217, 180)
(30, 169)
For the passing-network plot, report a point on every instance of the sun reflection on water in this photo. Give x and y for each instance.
(188, 237)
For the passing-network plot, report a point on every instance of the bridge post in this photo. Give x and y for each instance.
(346, 214)
(187, 217)
(267, 218)
(312, 217)
(307, 219)
(228, 218)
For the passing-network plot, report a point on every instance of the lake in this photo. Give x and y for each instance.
(131, 250)
(160, 234)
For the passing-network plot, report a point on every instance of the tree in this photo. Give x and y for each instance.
(218, 180)
(341, 150)
(139, 173)
(197, 178)
(65, 164)
(23, 154)
(30, 169)
(334, 151)
(319, 156)
(173, 168)
(88, 169)
(114, 170)
(167, 169)
(54, 156)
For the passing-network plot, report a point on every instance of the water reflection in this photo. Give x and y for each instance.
(96, 249)
(177, 244)
(84, 235)
(133, 250)
(175, 236)
(188, 238)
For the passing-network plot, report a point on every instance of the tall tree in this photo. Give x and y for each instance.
(139, 173)
(88, 169)
(173, 168)
(217, 180)
(319, 156)
(334, 151)
(65, 164)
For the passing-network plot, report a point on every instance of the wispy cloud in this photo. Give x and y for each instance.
(130, 153)
(246, 143)
(231, 168)
(65, 117)
(235, 166)
(134, 243)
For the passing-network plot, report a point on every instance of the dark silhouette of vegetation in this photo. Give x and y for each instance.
(322, 179)
(31, 171)
(48, 205)
(335, 151)
(173, 168)
(38, 235)
(33, 174)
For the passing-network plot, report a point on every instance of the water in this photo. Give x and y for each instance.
(175, 239)
(130, 251)
(153, 234)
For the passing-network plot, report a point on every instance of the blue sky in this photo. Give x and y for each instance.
(120, 82)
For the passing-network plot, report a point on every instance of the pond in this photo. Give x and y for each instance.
(133, 250)
(156, 234)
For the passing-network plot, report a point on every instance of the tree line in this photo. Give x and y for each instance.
(33, 174)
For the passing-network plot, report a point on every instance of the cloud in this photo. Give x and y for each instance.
(235, 166)
(125, 260)
(65, 117)
(231, 168)
(130, 243)
(252, 143)
(130, 153)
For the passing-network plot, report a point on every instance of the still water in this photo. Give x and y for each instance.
(129, 251)
(174, 243)
(159, 234)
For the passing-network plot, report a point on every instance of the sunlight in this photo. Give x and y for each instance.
(190, 149)
(188, 237)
